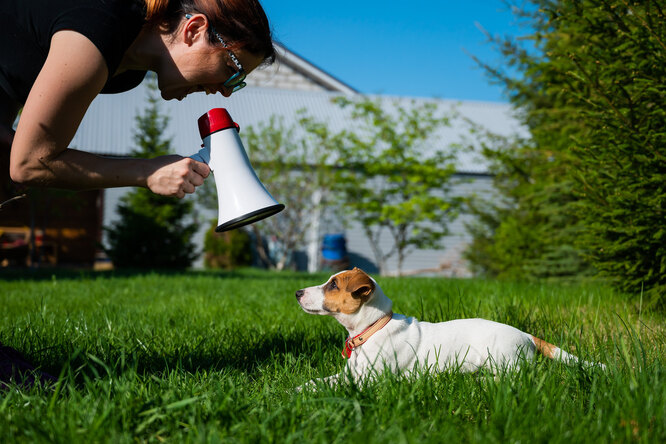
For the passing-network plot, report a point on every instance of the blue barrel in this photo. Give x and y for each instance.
(334, 247)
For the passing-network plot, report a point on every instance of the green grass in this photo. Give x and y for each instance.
(215, 357)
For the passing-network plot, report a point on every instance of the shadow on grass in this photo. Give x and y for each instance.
(244, 357)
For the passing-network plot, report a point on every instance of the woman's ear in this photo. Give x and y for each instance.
(195, 29)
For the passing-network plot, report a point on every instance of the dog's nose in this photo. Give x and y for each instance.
(299, 294)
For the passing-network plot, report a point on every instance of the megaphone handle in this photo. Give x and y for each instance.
(202, 156)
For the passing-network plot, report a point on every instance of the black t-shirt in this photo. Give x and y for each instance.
(26, 28)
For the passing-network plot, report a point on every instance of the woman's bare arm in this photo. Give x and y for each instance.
(72, 76)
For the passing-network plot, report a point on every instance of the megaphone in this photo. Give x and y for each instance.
(241, 197)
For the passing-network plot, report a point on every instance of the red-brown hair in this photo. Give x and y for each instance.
(242, 23)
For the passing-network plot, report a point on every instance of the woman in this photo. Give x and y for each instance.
(59, 54)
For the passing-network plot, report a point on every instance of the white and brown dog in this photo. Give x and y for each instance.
(380, 339)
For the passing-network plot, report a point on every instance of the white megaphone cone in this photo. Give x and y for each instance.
(241, 197)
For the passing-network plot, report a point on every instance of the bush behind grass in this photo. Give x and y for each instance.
(215, 357)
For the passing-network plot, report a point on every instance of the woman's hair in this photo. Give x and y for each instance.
(242, 23)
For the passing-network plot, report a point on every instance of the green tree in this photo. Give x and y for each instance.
(294, 163)
(396, 178)
(152, 230)
(591, 89)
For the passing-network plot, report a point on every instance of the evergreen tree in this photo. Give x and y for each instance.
(591, 90)
(152, 230)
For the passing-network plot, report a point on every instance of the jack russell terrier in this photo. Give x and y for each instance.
(379, 338)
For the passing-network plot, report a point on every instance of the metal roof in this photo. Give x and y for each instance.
(109, 124)
(310, 71)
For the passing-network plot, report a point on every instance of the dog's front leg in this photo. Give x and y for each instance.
(330, 381)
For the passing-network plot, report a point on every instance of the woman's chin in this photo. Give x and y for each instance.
(173, 94)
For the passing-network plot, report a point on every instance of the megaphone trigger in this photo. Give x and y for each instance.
(202, 156)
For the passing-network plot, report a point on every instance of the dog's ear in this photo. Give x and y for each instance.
(360, 286)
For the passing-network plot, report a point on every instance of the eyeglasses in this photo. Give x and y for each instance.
(237, 80)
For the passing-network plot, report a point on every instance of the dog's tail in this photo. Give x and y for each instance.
(554, 352)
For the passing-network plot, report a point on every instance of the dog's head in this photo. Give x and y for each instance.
(343, 293)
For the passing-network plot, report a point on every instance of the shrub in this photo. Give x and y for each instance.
(228, 249)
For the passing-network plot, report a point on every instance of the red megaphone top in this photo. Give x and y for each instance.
(217, 119)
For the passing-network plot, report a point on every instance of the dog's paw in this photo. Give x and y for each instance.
(308, 386)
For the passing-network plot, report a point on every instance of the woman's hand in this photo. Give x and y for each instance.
(176, 176)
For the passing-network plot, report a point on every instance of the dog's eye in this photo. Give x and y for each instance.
(334, 284)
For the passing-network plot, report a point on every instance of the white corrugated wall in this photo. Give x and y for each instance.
(108, 129)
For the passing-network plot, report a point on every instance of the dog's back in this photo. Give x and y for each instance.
(462, 344)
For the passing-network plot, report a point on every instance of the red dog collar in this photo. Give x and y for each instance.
(361, 338)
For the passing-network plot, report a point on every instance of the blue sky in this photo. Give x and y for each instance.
(404, 48)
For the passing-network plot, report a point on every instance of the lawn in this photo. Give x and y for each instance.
(215, 357)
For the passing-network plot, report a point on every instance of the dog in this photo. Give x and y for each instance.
(380, 339)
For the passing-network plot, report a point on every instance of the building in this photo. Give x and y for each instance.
(289, 85)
